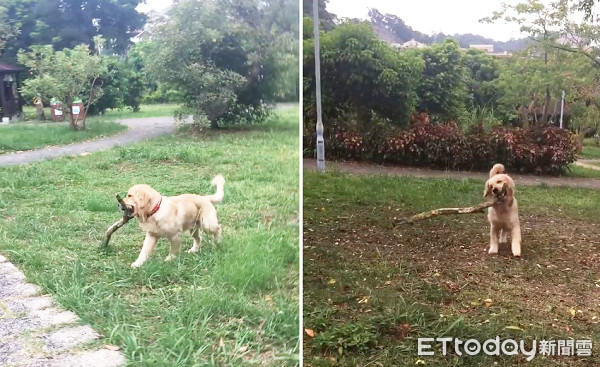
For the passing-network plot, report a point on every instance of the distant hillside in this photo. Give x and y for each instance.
(392, 29)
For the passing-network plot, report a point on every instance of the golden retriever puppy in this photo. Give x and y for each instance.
(170, 216)
(504, 216)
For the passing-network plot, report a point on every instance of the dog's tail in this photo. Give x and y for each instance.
(497, 169)
(218, 196)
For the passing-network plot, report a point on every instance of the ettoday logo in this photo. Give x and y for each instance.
(508, 347)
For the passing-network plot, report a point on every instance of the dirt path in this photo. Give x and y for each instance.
(139, 129)
(361, 168)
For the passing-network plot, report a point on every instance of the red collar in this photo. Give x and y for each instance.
(156, 207)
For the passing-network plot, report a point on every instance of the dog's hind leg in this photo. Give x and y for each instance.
(197, 235)
(175, 248)
(218, 233)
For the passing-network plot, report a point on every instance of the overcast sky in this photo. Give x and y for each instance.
(433, 16)
(154, 5)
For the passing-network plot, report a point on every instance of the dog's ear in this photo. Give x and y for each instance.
(510, 190)
(142, 204)
(487, 190)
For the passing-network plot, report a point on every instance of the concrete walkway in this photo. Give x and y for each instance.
(361, 168)
(139, 129)
(588, 163)
(35, 332)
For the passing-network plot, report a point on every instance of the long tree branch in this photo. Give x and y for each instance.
(445, 211)
(572, 50)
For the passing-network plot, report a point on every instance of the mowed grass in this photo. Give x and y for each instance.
(31, 134)
(232, 304)
(27, 136)
(371, 288)
(590, 149)
(146, 110)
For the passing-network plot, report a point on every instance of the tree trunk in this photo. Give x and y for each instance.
(579, 137)
(214, 125)
(72, 122)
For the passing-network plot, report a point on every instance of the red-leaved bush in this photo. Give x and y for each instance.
(542, 149)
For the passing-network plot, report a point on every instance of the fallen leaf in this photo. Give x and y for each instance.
(487, 302)
(221, 343)
(310, 332)
(364, 299)
(243, 349)
(572, 312)
(268, 298)
(513, 327)
(331, 281)
(111, 347)
(420, 362)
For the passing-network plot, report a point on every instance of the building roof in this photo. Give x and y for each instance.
(413, 44)
(9, 68)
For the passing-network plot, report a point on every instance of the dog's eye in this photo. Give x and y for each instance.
(128, 195)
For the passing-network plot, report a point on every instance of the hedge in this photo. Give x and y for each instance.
(540, 149)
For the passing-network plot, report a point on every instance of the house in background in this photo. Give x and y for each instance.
(413, 44)
(11, 103)
(489, 49)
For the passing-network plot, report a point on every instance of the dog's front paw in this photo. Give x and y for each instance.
(493, 250)
(170, 257)
(517, 253)
(136, 264)
(193, 250)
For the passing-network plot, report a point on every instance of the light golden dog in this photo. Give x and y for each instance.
(504, 216)
(170, 216)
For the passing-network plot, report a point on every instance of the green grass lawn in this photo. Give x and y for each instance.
(590, 152)
(30, 135)
(146, 110)
(372, 288)
(53, 215)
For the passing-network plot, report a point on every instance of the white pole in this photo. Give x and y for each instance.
(562, 108)
(320, 140)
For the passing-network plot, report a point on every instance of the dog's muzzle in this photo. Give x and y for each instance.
(127, 209)
(499, 193)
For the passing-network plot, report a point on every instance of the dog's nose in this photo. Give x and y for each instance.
(495, 190)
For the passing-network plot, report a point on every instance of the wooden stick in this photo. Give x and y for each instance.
(444, 211)
(120, 223)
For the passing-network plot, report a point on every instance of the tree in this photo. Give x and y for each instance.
(68, 23)
(363, 75)
(225, 57)
(562, 39)
(443, 91)
(65, 75)
(7, 30)
(327, 19)
(122, 85)
(482, 71)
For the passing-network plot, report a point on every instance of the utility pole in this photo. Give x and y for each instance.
(320, 140)
(562, 108)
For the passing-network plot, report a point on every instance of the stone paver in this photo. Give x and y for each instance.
(36, 332)
(361, 168)
(139, 129)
